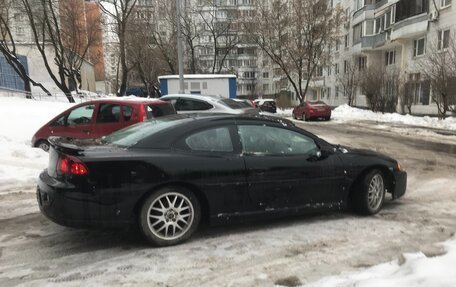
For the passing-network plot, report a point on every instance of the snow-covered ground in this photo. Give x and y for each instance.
(346, 113)
(20, 165)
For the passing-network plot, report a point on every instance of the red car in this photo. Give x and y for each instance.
(95, 119)
(312, 110)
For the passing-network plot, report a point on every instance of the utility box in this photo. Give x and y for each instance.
(203, 84)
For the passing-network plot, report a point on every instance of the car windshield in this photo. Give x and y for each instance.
(317, 103)
(234, 104)
(133, 134)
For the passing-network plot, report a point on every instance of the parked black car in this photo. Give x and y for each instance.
(170, 173)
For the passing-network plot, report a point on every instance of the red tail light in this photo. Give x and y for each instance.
(71, 165)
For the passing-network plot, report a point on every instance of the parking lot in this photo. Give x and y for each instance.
(37, 252)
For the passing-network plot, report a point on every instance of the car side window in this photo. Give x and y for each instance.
(213, 140)
(82, 115)
(266, 140)
(192, 105)
(59, 122)
(127, 111)
(108, 113)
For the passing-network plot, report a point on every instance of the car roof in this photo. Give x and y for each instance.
(131, 99)
(196, 97)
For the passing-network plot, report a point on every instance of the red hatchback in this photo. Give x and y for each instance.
(95, 119)
(312, 110)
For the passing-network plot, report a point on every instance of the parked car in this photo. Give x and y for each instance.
(168, 174)
(206, 104)
(312, 110)
(248, 102)
(94, 119)
(266, 105)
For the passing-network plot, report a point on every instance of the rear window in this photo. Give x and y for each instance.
(233, 104)
(317, 103)
(160, 110)
(132, 135)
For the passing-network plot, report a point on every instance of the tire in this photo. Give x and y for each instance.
(327, 118)
(293, 115)
(169, 216)
(304, 117)
(44, 145)
(369, 193)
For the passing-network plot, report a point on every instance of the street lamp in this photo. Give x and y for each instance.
(179, 49)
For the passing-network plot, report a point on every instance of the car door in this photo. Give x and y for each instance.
(284, 171)
(220, 171)
(78, 123)
(108, 119)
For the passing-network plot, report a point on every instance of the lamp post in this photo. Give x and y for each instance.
(179, 49)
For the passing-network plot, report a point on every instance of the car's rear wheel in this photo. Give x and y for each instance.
(169, 216)
(327, 118)
(369, 193)
(44, 145)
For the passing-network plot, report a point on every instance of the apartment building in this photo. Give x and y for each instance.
(394, 34)
(31, 57)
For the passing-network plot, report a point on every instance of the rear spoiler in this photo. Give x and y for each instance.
(66, 145)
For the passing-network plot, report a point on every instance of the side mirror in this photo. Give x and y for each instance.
(314, 156)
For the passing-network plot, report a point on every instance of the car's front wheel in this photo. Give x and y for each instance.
(169, 216)
(44, 145)
(369, 193)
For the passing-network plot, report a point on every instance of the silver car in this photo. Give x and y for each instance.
(184, 103)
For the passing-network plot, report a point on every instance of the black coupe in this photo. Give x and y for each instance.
(168, 174)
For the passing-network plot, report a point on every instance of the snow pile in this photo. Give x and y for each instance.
(417, 270)
(346, 113)
(20, 118)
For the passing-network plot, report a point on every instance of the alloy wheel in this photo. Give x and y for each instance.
(375, 191)
(170, 216)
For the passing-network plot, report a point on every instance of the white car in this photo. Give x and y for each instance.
(184, 103)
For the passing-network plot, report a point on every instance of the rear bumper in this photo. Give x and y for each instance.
(65, 205)
(400, 185)
(318, 114)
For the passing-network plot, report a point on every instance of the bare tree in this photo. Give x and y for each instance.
(349, 81)
(9, 50)
(120, 12)
(191, 34)
(60, 27)
(381, 88)
(439, 67)
(221, 32)
(294, 34)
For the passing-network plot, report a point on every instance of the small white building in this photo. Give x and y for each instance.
(207, 84)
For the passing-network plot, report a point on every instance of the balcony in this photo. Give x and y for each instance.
(410, 27)
(374, 41)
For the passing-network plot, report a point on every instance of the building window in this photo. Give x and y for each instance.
(336, 69)
(266, 75)
(362, 62)
(445, 3)
(407, 9)
(390, 58)
(345, 66)
(329, 93)
(336, 95)
(443, 40)
(378, 25)
(369, 28)
(346, 40)
(357, 33)
(319, 72)
(419, 47)
(337, 45)
(329, 70)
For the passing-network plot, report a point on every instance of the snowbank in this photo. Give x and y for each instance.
(417, 270)
(20, 118)
(346, 113)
